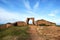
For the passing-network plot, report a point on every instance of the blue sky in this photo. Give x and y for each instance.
(19, 10)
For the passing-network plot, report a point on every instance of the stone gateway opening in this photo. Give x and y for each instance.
(30, 21)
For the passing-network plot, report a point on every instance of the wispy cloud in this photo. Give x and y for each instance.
(6, 16)
(34, 14)
(53, 13)
(31, 12)
(5, 3)
(29, 9)
(36, 6)
(27, 4)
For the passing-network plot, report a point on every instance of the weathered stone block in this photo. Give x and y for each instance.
(39, 22)
(20, 23)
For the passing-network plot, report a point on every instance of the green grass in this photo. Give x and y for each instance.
(10, 33)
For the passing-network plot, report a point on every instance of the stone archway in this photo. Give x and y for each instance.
(30, 19)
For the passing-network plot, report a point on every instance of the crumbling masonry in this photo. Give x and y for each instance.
(22, 23)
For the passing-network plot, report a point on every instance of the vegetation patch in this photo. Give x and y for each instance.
(12, 32)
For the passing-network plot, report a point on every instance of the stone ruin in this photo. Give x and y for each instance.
(27, 21)
(44, 22)
(7, 25)
(22, 23)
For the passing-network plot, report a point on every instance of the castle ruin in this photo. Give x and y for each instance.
(22, 23)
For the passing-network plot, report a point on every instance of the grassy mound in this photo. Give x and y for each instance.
(14, 33)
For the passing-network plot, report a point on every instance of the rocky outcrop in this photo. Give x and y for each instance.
(44, 22)
(20, 23)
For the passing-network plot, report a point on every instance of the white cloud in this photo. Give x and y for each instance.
(27, 5)
(30, 12)
(6, 16)
(29, 9)
(58, 21)
(54, 16)
(8, 3)
(36, 6)
(33, 14)
(53, 13)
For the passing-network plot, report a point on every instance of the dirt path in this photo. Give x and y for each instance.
(33, 33)
(44, 33)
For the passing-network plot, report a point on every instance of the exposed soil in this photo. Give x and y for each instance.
(44, 33)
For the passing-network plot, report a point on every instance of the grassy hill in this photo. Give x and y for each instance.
(14, 33)
(35, 32)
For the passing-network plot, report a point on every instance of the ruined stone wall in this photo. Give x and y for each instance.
(38, 22)
(8, 25)
(3, 26)
(21, 23)
(27, 21)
